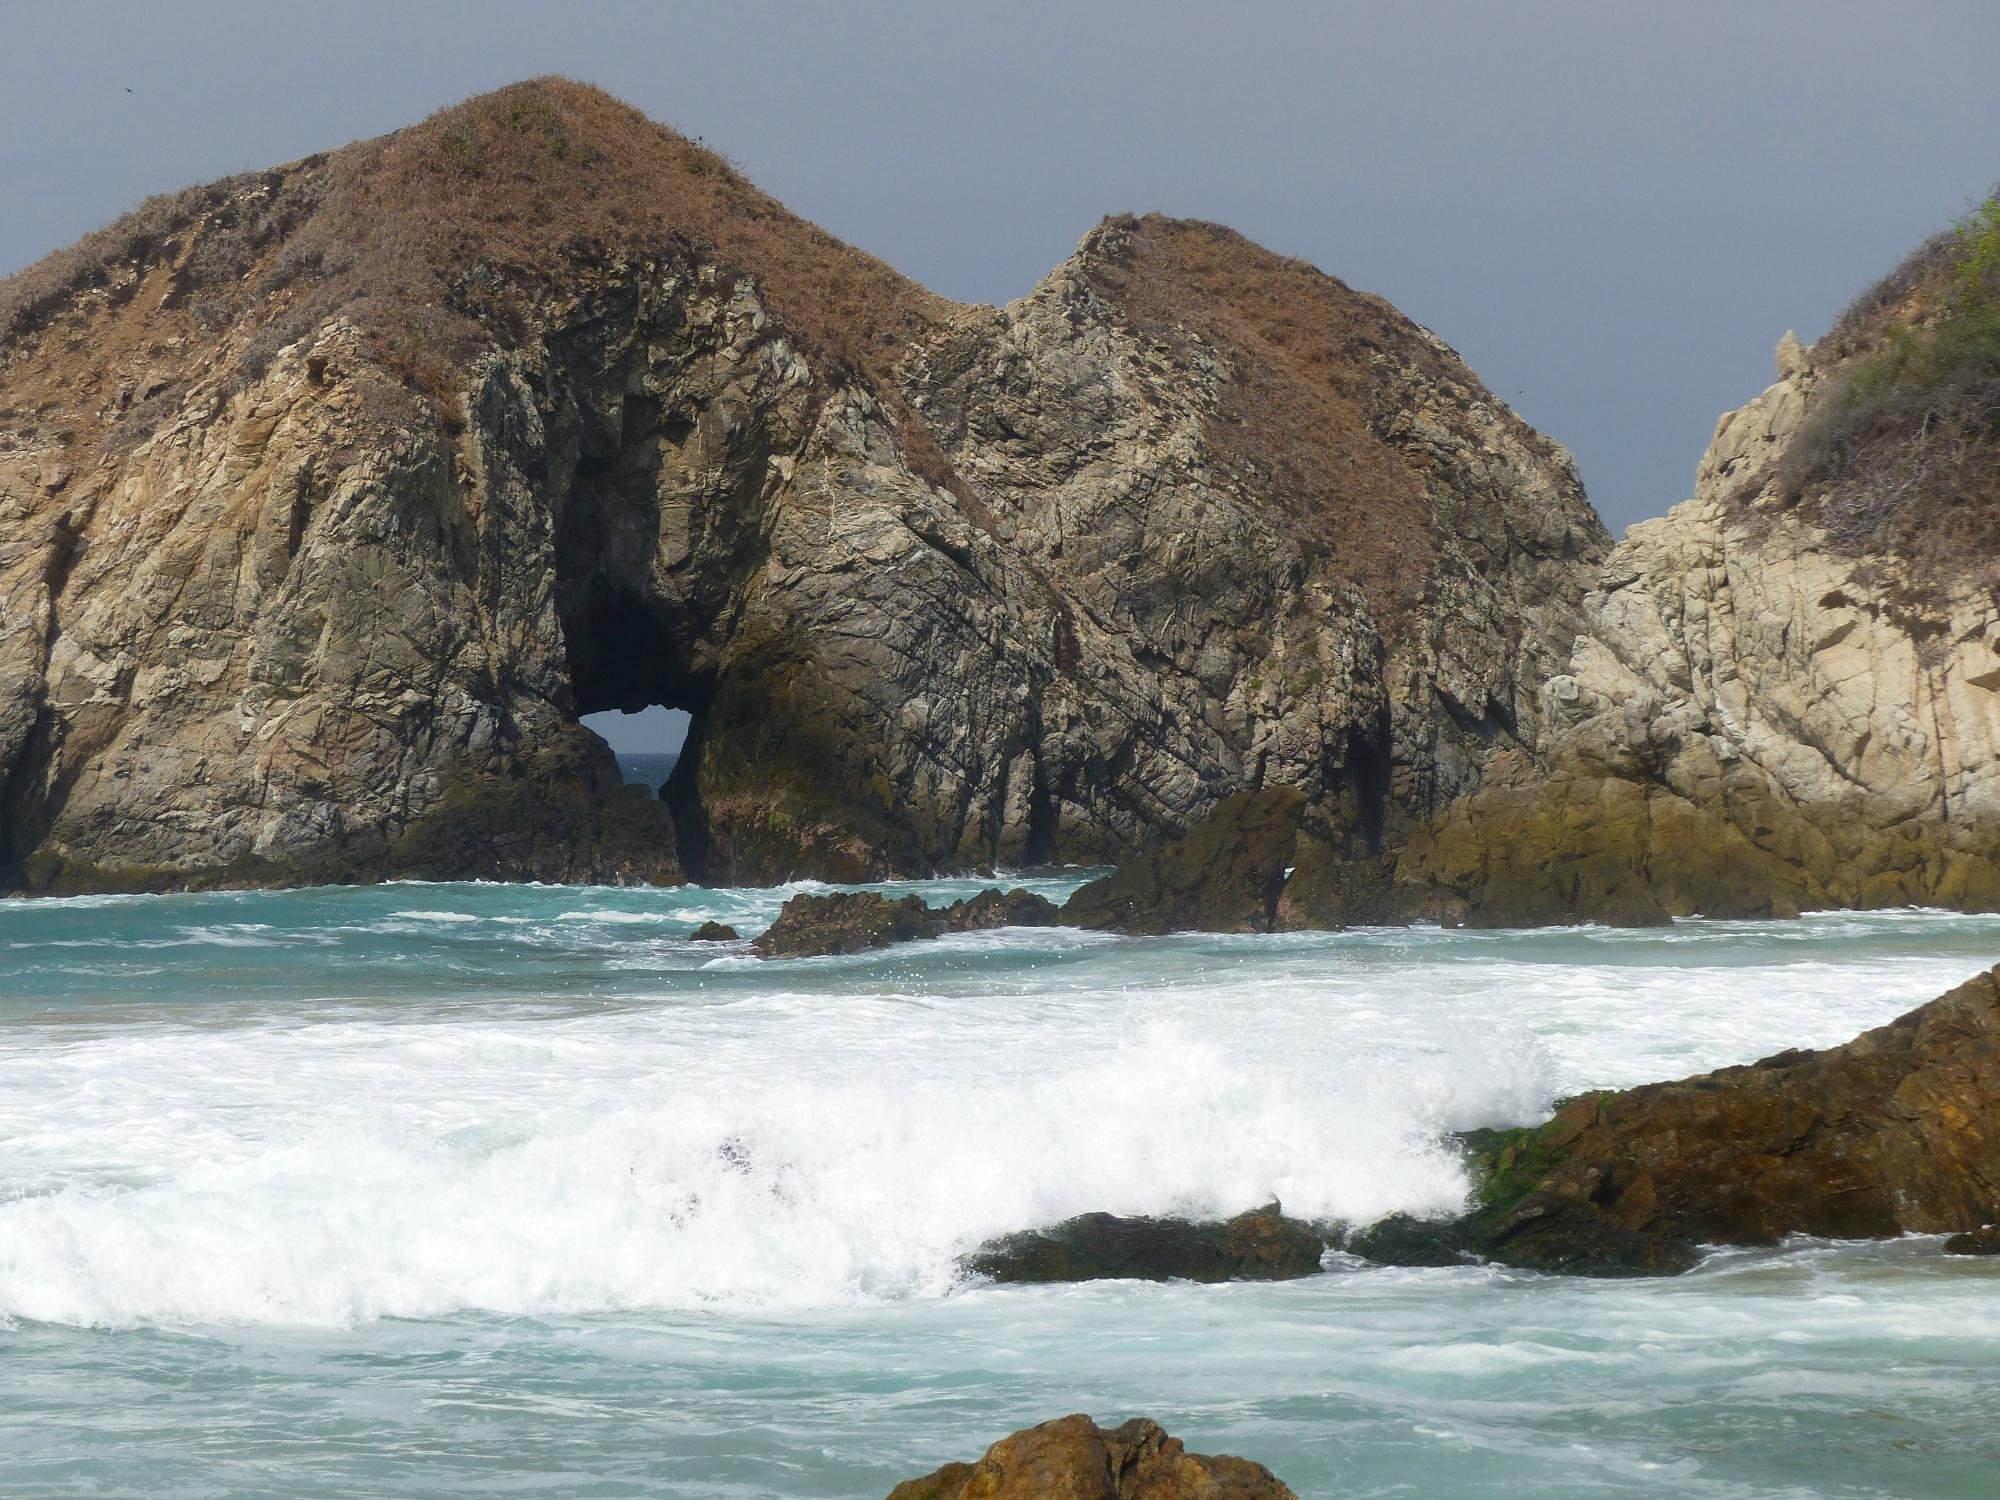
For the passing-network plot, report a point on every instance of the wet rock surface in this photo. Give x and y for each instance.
(1982, 1241)
(1896, 1131)
(810, 925)
(1072, 1458)
(1261, 1245)
(714, 932)
(998, 908)
(1402, 1240)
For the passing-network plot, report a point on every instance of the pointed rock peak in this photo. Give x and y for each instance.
(1792, 356)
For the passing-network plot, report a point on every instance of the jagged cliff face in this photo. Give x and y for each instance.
(1767, 710)
(330, 498)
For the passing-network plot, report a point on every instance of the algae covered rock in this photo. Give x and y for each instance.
(1261, 1245)
(1072, 1458)
(1225, 876)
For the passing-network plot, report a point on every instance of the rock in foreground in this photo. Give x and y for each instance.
(1897, 1131)
(1261, 1245)
(1072, 1458)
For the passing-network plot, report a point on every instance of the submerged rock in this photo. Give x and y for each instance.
(1072, 1458)
(714, 932)
(1261, 1245)
(1982, 1241)
(1896, 1131)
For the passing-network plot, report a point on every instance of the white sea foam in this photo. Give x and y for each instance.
(818, 1135)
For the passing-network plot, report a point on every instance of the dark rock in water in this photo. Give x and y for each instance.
(1072, 1458)
(997, 908)
(1401, 1240)
(1548, 1232)
(1896, 1131)
(1983, 1241)
(809, 926)
(1225, 876)
(714, 932)
(1261, 1245)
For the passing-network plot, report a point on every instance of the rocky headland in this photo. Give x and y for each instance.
(331, 496)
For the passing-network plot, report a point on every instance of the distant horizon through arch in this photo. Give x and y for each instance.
(648, 731)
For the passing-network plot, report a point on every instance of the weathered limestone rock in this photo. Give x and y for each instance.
(1072, 1458)
(331, 496)
(1896, 1131)
(1261, 1245)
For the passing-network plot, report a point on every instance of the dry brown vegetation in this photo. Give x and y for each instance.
(443, 238)
(1299, 409)
(1900, 454)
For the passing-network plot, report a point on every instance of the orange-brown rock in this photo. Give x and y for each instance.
(1072, 1458)
(1896, 1131)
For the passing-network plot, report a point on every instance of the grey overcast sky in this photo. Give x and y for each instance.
(1611, 209)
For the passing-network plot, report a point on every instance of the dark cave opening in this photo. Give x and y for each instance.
(634, 687)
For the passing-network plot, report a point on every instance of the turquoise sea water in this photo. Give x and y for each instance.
(424, 1190)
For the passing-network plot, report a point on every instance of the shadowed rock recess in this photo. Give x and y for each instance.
(331, 497)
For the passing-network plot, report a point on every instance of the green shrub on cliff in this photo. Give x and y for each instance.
(1904, 449)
